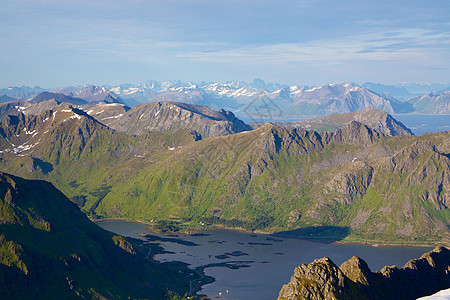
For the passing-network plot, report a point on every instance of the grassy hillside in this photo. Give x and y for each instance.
(356, 180)
(50, 250)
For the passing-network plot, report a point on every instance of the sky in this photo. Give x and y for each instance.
(55, 43)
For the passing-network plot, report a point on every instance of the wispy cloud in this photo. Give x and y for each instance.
(404, 45)
(109, 39)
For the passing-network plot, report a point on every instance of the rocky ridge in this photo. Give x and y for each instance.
(173, 116)
(374, 118)
(322, 279)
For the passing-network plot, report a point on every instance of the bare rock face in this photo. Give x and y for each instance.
(357, 270)
(322, 279)
(356, 133)
(350, 183)
(376, 119)
(172, 116)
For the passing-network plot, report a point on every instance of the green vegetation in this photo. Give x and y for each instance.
(272, 179)
(70, 257)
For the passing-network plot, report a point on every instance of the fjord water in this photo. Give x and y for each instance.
(264, 262)
(420, 124)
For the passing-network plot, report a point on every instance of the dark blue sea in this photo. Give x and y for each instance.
(420, 124)
(268, 262)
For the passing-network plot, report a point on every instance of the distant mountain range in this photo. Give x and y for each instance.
(281, 101)
(432, 103)
(276, 101)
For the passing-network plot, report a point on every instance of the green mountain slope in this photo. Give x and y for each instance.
(380, 188)
(356, 181)
(50, 250)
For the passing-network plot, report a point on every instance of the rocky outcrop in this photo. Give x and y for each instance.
(322, 279)
(371, 117)
(172, 116)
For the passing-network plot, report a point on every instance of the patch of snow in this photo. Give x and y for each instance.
(130, 91)
(171, 148)
(22, 148)
(90, 111)
(113, 117)
(355, 158)
(99, 112)
(29, 132)
(46, 119)
(54, 115)
(313, 89)
(45, 131)
(113, 104)
(156, 113)
(441, 295)
(75, 116)
(66, 110)
(140, 117)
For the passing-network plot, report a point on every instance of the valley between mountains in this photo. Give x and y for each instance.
(183, 167)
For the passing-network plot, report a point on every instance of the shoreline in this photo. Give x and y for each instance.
(374, 244)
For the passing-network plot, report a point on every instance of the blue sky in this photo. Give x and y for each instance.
(54, 43)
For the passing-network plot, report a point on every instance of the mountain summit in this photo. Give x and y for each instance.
(173, 116)
(374, 118)
(322, 279)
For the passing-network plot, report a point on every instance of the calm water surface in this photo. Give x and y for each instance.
(420, 124)
(271, 260)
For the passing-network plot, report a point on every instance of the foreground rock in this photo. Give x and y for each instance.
(322, 279)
